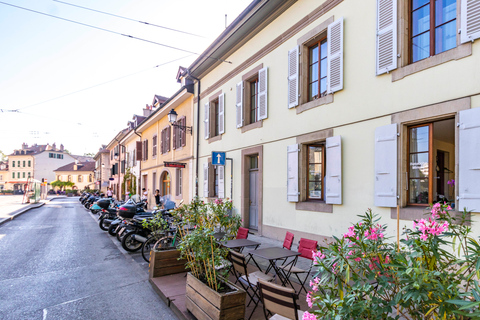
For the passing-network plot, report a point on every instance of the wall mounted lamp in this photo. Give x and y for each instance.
(172, 118)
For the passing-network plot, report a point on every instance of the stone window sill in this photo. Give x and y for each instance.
(315, 103)
(216, 138)
(252, 126)
(315, 206)
(459, 52)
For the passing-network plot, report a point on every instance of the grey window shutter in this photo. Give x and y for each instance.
(470, 20)
(205, 180)
(293, 66)
(221, 181)
(206, 120)
(175, 137)
(262, 94)
(333, 170)
(335, 56)
(168, 138)
(292, 173)
(239, 104)
(386, 50)
(468, 160)
(386, 166)
(221, 113)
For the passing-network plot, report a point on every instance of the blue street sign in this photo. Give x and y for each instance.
(218, 158)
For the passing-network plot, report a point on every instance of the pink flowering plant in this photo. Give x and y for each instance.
(432, 275)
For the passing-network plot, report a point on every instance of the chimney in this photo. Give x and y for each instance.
(61, 147)
(24, 146)
(54, 146)
(147, 111)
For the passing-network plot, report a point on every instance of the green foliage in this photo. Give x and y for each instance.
(156, 223)
(62, 184)
(200, 223)
(432, 275)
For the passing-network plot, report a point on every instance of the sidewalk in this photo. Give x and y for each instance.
(12, 206)
(172, 288)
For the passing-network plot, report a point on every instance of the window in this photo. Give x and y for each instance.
(79, 179)
(433, 27)
(178, 189)
(251, 97)
(13, 164)
(165, 184)
(315, 174)
(18, 175)
(145, 150)
(214, 120)
(29, 174)
(165, 142)
(90, 178)
(213, 181)
(315, 66)
(69, 178)
(59, 178)
(23, 175)
(24, 163)
(29, 163)
(317, 70)
(13, 175)
(1, 177)
(154, 146)
(51, 155)
(18, 163)
(179, 135)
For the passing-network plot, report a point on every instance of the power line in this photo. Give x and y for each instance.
(110, 31)
(126, 18)
(91, 87)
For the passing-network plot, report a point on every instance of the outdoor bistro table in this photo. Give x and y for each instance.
(239, 243)
(272, 255)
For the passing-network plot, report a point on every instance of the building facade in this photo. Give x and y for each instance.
(331, 107)
(80, 173)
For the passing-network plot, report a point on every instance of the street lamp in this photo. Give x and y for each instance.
(172, 118)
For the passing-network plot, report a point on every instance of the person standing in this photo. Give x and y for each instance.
(145, 196)
(109, 192)
(158, 203)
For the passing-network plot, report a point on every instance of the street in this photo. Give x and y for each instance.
(56, 263)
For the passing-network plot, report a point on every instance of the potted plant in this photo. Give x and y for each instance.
(209, 294)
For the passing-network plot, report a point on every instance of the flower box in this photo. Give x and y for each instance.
(165, 262)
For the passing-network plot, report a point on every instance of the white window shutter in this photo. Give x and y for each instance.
(205, 180)
(206, 120)
(386, 166)
(221, 113)
(292, 173)
(335, 56)
(239, 104)
(470, 20)
(386, 50)
(262, 94)
(221, 181)
(333, 171)
(468, 160)
(293, 66)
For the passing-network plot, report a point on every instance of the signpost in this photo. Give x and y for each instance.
(218, 158)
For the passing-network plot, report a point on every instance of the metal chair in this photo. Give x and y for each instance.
(242, 233)
(306, 247)
(287, 244)
(279, 301)
(248, 281)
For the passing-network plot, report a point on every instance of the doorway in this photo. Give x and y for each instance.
(253, 194)
(252, 188)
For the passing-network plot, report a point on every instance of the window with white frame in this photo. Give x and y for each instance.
(178, 183)
(179, 135)
(165, 140)
(251, 97)
(214, 116)
(213, 181)
(154, 146)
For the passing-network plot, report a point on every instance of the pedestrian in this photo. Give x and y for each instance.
(158, 203)
(145, 195)
(109, 192)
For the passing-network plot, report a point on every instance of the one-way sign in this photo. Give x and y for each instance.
(218, 158)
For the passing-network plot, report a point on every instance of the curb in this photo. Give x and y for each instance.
(23, 210)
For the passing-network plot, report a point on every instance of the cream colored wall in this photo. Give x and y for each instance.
(366, 102)
(80, 185)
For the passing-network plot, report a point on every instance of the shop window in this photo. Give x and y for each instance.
(165, 178)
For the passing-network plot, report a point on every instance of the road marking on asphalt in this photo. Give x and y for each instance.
(44, 314)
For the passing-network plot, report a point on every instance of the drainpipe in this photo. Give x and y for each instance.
(119, 168)
(198, 131)
(139, 165)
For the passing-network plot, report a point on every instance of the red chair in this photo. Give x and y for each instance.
(242, 233)
(287, 243)
(306, 247)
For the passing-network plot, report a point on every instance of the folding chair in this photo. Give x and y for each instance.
(306, 247)
(279, 301)
(248, 281)
(242, 233)
(287, 244)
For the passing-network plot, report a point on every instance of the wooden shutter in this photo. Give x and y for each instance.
(162, 141)
(145, 145)
(239, 104)
(386, 50)
(183, 134)
(221, 113)
(468, 160)
(221, 181)
(206, 120)
(168, 138)
(139, 150)
(333, 171)
(293, 66)
(175, 136)
(470, 20)
(385, 194)
(262, 94)
(335, 56)
(205, 180)
(292, 173)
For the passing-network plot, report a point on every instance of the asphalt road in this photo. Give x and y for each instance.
(56, 263)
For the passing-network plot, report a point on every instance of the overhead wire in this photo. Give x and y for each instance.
(111, 31)
(126, 18)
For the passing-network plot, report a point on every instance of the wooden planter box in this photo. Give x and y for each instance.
(166, 262)
(207, 304)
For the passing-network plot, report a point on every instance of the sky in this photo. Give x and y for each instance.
(79, 86)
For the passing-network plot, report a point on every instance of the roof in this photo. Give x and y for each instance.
(82, 158)
(81, 166)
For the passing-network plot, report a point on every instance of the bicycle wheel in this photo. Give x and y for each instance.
(164, 243)
(148, 247)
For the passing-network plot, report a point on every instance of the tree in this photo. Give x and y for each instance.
(2, 156)
(62, 184)
(89, 154)
(66, 151)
